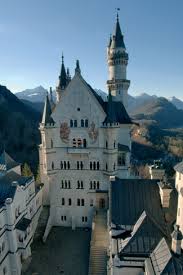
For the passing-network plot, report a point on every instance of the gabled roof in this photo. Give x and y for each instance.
(47, 119)
(123, 148)
(162, 260)
(6, 162)
(134, 196)
(145, 236)
(7, 188)
(179, 167)
(115, 110)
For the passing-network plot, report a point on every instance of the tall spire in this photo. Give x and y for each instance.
(62, 78)
(118, 37)
(47, 119)
(77, 69)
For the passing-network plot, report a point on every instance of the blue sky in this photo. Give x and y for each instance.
(34, 33)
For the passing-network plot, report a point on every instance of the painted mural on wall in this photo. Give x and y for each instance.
(93, 132)
(64, 132)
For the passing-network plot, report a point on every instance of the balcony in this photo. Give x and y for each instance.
(78, 150)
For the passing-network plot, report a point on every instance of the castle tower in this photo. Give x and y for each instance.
(117, 58)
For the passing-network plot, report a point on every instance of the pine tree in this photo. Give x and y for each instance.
(26, 171)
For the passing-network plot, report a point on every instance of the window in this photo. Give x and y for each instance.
(78, 184)
(65, 165)
(51, 143)
(114, 166)
(75, 123)
(61, 165)
(79, 142)
(63, 201)
(82, 202)
(71, 123)
(84, 143)
(91, 202)
(98, 185)
(98, 165)
(81, 165)
(121, 159)
(4, 270)
(69, 201)
(74, 142)
(81, 184)
(63, 218)
(77, 165)
(68, 165)
(78, 202)
(69, 184)
(114, 144)
(82, 122)
(106, 144)
(65, 184)
(91, 165)
(94, 165)
(106, 167)
(84, 219)
(86, 123)
(52, 165)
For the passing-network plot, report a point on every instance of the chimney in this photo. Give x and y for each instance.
(157, 170)
(176, 240)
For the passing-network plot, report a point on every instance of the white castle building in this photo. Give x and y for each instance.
(20, 208)
(85, 139)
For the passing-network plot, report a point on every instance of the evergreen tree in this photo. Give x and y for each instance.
(26, 170)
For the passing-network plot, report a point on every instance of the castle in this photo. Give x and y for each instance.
(85, 140)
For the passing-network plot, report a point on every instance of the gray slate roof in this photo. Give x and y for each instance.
(162, 260)
(144, 237)
(6, 162)
(123, 148)
(115, 111)
(179, 167)
(130, 197)
(7, 189)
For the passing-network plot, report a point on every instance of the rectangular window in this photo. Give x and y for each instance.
(121, 159)
(78, 202)
(63, 201)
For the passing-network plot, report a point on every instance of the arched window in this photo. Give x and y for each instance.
(114, 166)
(78, 202)
(75, 123)
(98, 185)
(86, 123)
(62, 184)
(81, 165)
(77, 165)
(69, 184)
(98, 165)
(4, 270)
(78, 182)
(70, 201)
(63, 201)
(81, 184)
(84, 143)
(114, 144)
(91, 202)
(51, 143)
(65, 184)
(71, 123)
(91, 165)
(106, 167)
(106, 144)
(94, 165)
(94, 185)
(68, 165)
(61, 165)
(90, 184)
(52, 165)
(82, 202)
(79, 142)
(65, 165)
(82, 122)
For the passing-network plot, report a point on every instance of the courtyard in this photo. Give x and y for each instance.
(66, 252)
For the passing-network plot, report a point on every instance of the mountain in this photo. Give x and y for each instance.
(160, 110)
(135, 102)
(37, 94)
(176, 102)
(19, 132)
